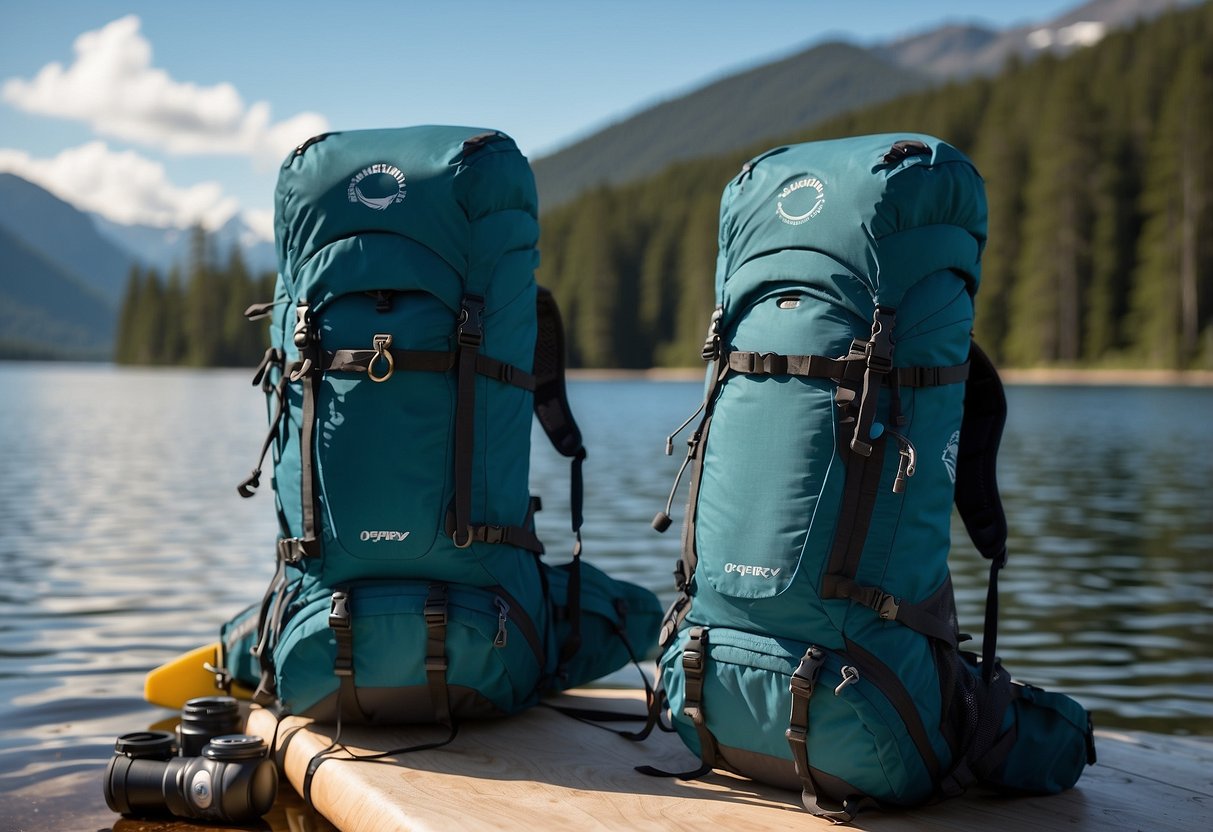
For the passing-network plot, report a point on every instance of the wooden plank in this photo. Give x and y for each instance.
(544, 770)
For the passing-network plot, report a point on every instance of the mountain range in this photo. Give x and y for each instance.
(62, 271)
(794, 93)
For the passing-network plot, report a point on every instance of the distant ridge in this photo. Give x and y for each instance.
(737, 111)
(962, 51)
(63, 235)
(45, 311)
(795, 93)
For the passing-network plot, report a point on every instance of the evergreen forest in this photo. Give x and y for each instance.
(1099, 175)
(196, 319)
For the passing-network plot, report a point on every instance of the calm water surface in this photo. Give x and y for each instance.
(123, 543)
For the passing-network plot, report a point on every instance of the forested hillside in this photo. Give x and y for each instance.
(768, 100)
(1099, 169)
(196, 319)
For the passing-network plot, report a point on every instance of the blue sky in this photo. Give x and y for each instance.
(167, 113)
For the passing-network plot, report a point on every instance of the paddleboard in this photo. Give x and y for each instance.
(542, 770)
(175, 682)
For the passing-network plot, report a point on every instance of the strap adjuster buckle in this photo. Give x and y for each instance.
(289, 550)
(339, 611)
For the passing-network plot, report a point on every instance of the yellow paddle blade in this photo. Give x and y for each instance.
(174, 683)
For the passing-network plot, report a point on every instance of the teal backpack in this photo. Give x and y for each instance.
(410, 347)
(814, 641)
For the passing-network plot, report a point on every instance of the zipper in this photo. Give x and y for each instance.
(503, 612)
(889, 686)
(521, 620)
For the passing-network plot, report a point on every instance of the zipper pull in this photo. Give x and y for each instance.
(662, 520)
(850, 675)
(503, 612)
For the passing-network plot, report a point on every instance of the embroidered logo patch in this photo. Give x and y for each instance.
(377, 186)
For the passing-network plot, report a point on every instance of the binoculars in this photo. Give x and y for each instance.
(207, 770)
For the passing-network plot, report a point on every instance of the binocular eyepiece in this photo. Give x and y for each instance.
(225, 776)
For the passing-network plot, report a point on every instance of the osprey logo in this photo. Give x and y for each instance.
(376, 537)
(800, 201)
(377, 186)
(756, 571)
(950, 453)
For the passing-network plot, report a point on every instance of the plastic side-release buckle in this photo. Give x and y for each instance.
(878, 351)
(804, 678)
(339, 611)
(469, 329)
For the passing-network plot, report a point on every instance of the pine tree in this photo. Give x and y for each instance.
(1054, 265)
(590, 262)
(1001, 154)
(203, 307)
(124, 342)
(173, 349)
(1173, 286)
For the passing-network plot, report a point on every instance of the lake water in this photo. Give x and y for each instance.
(123, 543)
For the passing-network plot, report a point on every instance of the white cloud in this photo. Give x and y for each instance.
(113, 86)
(261, 222)
(123, 186)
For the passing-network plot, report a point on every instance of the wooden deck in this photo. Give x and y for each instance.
(543, 771)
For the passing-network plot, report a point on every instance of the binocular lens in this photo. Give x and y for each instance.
(204, 718)
(147, 745)
(136, 771)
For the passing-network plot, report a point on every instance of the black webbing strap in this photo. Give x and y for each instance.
(435, 652)
(262, 650)
(801, 685)
(694, 663)
(805, 366)
(520, 536)
(307, 372)
(343, 662)
(851, 368)
(572, 642)
(360, 361)
(278, 598)
(859, 492)
(556, 417)
(916, 617)
(878, 361)
(469, 335)
(977, 498)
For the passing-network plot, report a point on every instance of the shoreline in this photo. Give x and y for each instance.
(1055, 377)
(1042, 376)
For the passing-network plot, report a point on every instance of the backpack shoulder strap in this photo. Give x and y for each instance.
(977, 498)
(551, 398)
(554, 414)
